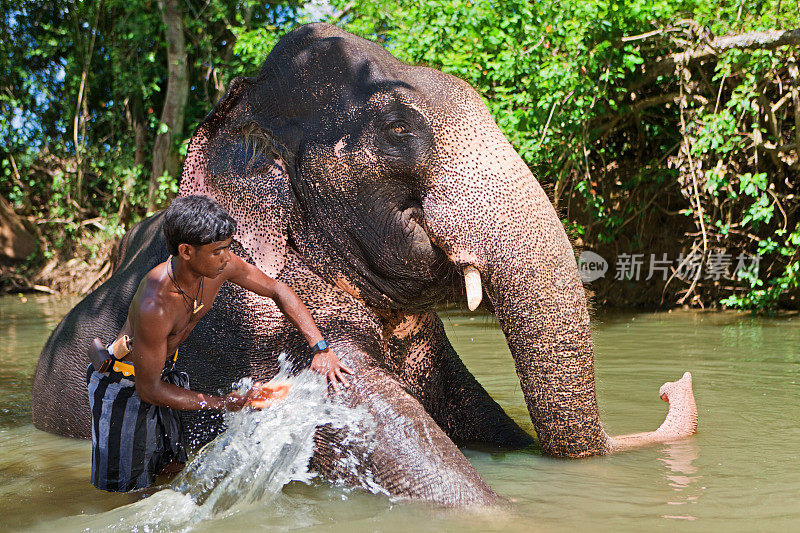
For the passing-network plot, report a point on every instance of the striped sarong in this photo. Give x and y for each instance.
(131, 440)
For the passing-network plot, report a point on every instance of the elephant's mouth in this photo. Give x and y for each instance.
(386, 259)
(458, 282)
(412, 224)
(415, 273)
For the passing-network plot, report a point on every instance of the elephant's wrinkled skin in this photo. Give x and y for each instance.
(368, 185)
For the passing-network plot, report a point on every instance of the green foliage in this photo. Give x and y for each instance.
(557, 78)
(65, 159)
(750, 201)
(565, 81)
(167, 188)
(252, 46)
(765, 296)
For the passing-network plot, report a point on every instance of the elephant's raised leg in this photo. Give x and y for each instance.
(427, 363)
(406, 453)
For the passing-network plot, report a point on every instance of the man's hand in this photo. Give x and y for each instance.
(264, 395)
(327, 364)
(233, 402)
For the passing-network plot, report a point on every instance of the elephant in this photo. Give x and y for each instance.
(376, 190)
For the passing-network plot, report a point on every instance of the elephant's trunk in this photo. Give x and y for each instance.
(515, 240)
(539, 300)
(496, 217)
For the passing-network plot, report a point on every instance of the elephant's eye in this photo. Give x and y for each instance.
(399, 129)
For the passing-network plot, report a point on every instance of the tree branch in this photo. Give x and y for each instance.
(754, 40)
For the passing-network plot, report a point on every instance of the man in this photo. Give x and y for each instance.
(135, 392)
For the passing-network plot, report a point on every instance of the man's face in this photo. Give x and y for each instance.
(211, 259)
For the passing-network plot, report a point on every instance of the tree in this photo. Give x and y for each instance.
(170, 132)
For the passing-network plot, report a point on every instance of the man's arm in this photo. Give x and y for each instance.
(251, 278)
(149, 354)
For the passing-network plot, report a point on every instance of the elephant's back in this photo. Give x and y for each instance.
(59, 400)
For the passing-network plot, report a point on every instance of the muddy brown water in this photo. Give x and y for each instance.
(741, 472)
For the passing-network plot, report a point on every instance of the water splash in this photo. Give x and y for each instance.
(259, 453)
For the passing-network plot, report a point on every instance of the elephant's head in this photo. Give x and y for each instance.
(391, 181)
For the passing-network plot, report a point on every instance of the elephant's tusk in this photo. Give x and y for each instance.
(472, 280)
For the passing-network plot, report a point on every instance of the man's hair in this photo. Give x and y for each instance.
(196, 220)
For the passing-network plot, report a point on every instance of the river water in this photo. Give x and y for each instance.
(740, 472)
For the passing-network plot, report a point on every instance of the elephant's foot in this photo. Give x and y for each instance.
(681, 419)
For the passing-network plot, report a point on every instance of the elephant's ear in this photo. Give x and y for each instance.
(242, 155)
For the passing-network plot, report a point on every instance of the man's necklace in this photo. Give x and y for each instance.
(194, 308)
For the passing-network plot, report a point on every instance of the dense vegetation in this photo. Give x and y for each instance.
(657, 127)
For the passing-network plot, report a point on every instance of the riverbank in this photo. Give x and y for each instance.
(74, 269)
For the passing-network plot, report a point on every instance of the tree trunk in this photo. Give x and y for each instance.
(140, 138)
(16, 243)
(82, 109)
(136, 121)
(165, 158)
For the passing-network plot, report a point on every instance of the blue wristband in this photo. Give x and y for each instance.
(321, 346)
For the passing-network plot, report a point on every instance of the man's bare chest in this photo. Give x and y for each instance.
(187, 317)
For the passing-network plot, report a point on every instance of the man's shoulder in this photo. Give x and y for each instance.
(150, 298)
(236, 267)
(153, 305)
(152, 316)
